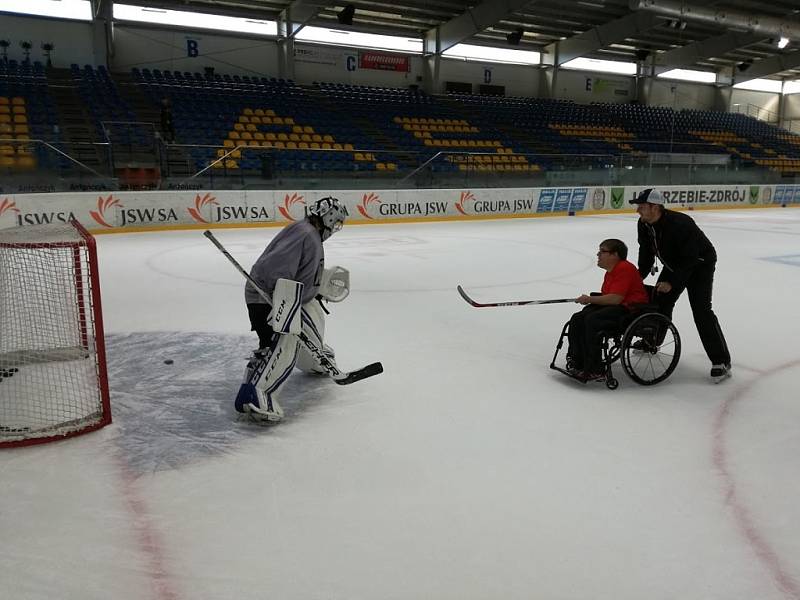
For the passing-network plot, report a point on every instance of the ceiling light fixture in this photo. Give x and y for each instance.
(783, 42)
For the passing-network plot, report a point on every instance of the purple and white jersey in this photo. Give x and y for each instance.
(295, 253)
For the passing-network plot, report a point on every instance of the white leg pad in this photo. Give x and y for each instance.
(286, 304)
(265, 374)
(313, 321)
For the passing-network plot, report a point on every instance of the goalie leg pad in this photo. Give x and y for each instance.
(266, 372)
(286, 303)
(313, 323)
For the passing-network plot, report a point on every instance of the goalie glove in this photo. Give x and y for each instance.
(335, 285)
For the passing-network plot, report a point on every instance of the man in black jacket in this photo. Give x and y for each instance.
(689, 261)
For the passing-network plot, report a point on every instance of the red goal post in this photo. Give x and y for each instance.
(53, 380)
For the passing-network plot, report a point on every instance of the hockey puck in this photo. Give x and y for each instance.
(169, 361)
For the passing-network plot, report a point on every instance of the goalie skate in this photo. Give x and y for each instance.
(256, 405)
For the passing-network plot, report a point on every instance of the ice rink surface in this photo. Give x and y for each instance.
(467, 471)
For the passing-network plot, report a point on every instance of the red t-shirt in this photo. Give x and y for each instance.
(624, 280)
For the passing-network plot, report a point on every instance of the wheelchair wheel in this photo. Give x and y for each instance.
(651, 348)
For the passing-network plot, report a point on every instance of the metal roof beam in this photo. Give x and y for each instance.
(468, 23)
(605, 35)
(688, 55)
(298, 14)
(770, 66)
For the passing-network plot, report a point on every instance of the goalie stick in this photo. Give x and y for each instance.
(469, 300)
(340, 377)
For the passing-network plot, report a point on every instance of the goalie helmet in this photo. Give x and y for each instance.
(331, 213)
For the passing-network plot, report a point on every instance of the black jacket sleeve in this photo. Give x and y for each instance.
(646, 252)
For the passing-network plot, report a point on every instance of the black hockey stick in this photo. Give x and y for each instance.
(340, 377)
(515, 303)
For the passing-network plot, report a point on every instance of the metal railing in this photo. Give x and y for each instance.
(757, 112)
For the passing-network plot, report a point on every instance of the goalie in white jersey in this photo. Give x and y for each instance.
(292, 271)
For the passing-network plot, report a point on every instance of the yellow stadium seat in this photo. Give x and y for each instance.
(255, 119)
(278, 121)
(247, 136)
(4, 100)
(248, 111)
(314, 145)
(288, 120)
(5, 118)
(308, 129)
(7, 161)
(270, 136)
(295, 137)
(5, 129)
(258, 135)
(297, 129)
(302, 145)
(348, 147)
(266, 120)
(5, 110)
(380, 166)
(251, 128)
(231, 164)
(238, 127)
(228, 144)
(18, 101)
(291, 145)
(244, 119)
(280, 145)
(326, 146)
(338, 146)
(269, 112)
(283, 136)
(255, 143)
(259, 112)
(327, 138)
(316, 138)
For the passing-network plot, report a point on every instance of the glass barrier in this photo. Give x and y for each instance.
(33, 165)
(149, 164)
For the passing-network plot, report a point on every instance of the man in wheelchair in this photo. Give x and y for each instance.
(622, 288)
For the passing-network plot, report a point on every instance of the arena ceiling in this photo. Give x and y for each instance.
(737, 36)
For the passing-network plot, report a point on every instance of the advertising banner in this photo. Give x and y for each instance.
(382, 61)
(121, 211)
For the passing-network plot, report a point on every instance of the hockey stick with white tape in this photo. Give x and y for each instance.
(340, 377)
(466, 297)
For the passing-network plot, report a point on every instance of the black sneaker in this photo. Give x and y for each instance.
(643, 345)
(720, 372)
(587, 376)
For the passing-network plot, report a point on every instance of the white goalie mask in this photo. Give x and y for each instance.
(331, 212)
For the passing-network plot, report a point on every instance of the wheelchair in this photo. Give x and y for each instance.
(646, 343)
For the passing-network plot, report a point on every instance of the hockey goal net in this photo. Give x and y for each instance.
(53, 381)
